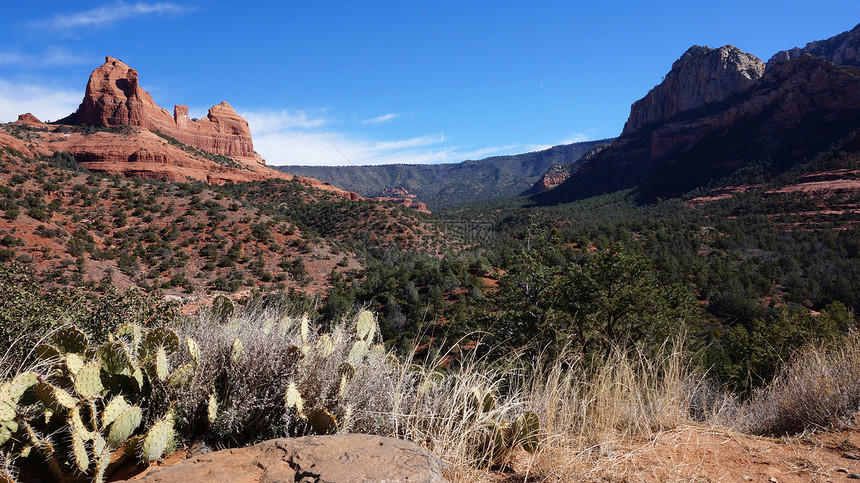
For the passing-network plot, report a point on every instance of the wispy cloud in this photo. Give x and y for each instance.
(381, 119)
(45, 102)
(49, 58)
(291, 137)
(109, 14)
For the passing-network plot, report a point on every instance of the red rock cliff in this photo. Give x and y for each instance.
(114, 97)
(701, 76)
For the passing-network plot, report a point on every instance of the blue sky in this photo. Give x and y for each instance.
(371, 82)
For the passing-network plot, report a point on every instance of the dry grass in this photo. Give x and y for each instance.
(605, 421)
(818, 389)
(584, 412)
(250, 390)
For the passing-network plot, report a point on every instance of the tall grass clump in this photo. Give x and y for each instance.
(579, 406)
(249, 360)
(818, 389)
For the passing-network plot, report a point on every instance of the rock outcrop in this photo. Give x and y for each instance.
(843, 49)
(700, 77)
(340, 458)
(554, 176)
(28, 118)
(715, 113)
(114, 97)
(401, 196)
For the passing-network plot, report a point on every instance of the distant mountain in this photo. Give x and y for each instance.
(447, 185)
(720, 110)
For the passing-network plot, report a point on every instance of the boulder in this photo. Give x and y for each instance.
(337, 458)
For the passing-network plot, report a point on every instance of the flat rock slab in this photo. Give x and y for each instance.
(337, 458)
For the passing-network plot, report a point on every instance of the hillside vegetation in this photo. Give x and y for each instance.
(446, 185)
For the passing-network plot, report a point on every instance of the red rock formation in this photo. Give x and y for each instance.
(114, 97)
(700, 77)
(28, 118)
(554, 176)
(410, 203)
(796, 109)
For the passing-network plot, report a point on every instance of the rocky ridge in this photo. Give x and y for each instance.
(701, 125)
(843, 49)
(701, 76)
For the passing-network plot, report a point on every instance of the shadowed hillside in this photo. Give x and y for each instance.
(446, 185)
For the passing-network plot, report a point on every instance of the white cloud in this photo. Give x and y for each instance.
(48, 58)
(109, 14)
(277, 121)
(45, 102)
(291, 138)
(381, 119)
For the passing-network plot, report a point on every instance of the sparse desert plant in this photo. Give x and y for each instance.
(258, 362)
(818, 389)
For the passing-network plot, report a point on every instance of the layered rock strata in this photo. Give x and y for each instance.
(114, 97)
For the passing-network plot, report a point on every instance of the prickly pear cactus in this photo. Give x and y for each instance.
(158, 439)
(222, 308)
(90, 400)
(365, 326)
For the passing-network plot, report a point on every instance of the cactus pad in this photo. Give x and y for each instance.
(325, 346)
(115, 357)
(182, 375)
(102, 458)
(238, 350)
(365, 327)
(74, 363)
(222, 308)
(7, 410)
(160, 337)
(7, 429)
(321, 421)
(54, 397)
(79, 450)
(12, 392)
(346, 370)
(76, 423)
(377, 351)
(157, 439)
(294, 398)
(113, 409)
(304, 329)
(525, 431)
(124, 425)
(193, 349)
(47, 352)
(131, 334)
(71, 339)
(160, 364)
(357, 353)
(88, 381)
(212, 409)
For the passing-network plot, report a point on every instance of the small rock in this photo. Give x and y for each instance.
(853, 476)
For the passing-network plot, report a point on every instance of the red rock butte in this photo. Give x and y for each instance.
(114, 98)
